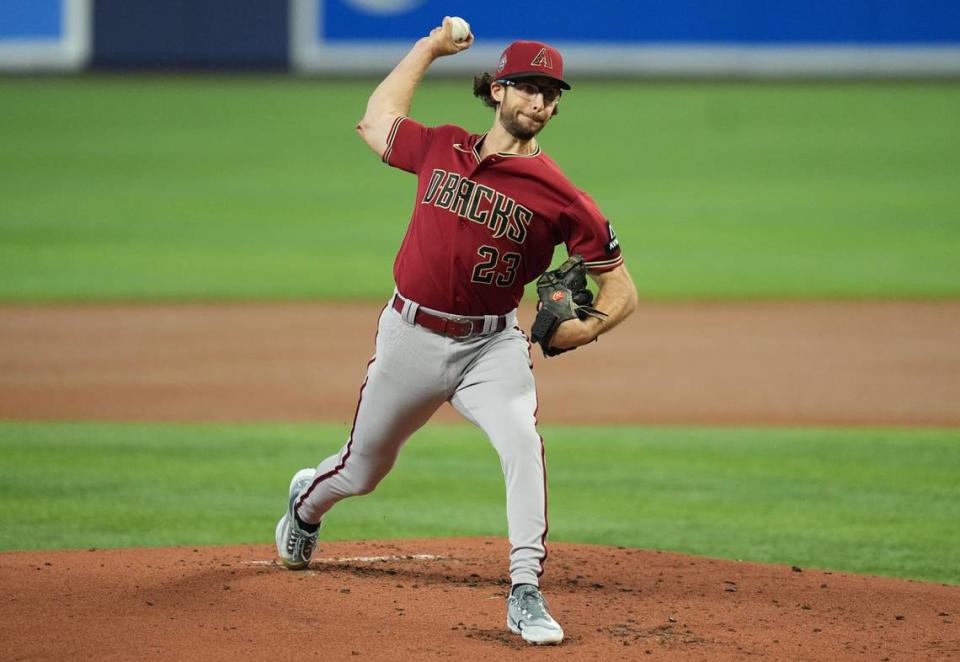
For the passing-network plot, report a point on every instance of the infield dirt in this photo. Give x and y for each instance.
(743, 364)
(697, 363)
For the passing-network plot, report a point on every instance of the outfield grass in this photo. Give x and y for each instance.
(226, 188)
(874, 501)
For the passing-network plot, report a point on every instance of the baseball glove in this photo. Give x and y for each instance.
(563, 296)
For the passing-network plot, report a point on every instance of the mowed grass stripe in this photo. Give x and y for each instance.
(200, 187)
(882, 501)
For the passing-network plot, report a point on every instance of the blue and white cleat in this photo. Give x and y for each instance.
(294, 545)
(527, 616)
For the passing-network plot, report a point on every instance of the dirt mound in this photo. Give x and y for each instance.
(444, 599)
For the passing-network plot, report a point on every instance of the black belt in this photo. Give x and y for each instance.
(460, 327)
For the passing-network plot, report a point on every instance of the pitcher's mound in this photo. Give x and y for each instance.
(445, 599)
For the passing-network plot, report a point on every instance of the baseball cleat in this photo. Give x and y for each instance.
(294, 545)
(527, 616)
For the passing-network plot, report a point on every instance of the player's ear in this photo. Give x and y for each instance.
(496, 92)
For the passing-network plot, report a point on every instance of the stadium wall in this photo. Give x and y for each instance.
(40, 35)
(745, 38)
(191, 34)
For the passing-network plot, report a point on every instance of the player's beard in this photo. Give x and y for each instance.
(511, 122)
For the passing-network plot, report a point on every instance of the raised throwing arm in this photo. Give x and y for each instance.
(393, 96)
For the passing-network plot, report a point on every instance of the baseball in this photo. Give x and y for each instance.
(459, 29)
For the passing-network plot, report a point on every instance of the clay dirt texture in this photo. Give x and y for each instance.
(839, 363)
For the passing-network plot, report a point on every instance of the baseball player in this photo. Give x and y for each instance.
(489, 210)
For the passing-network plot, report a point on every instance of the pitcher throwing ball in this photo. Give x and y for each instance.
(489, 210)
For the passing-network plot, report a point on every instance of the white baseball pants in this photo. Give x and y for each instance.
(489, 380)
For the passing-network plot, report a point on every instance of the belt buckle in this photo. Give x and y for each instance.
(468, 333)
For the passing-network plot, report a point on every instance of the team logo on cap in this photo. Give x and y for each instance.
(503, 63)
(542, 60)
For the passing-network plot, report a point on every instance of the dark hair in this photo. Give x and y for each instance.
(481, 90)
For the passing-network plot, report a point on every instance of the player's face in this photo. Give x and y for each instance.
(527, 106)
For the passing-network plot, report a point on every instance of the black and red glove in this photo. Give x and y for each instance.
(563, 296)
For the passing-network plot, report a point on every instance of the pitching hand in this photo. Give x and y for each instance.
(441, 40)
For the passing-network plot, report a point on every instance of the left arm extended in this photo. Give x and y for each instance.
(617, 297)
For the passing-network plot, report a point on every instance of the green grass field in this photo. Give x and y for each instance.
(873, 501)
(223, 188)
(195, 188)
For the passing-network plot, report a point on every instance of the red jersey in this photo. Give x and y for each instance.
(482, 229)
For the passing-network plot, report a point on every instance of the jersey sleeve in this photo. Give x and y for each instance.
(408, 144)
(588, 232)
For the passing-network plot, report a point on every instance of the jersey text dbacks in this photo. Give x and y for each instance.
(501, 214)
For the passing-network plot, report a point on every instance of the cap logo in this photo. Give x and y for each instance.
(503, 63)
(542, 60)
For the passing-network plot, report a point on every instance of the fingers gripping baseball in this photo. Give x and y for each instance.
(452, 36)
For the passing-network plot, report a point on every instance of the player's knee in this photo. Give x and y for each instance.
(366, 472)
(364, 485)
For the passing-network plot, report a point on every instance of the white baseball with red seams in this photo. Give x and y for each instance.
(459, 29)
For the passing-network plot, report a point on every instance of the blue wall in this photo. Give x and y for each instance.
(669, 22)
(30, 19)
(233, 34)
(245, 34)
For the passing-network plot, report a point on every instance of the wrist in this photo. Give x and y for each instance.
(593, 328)
(426, 47)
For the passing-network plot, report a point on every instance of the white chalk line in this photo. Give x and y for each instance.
(370, 559)
(361, 559)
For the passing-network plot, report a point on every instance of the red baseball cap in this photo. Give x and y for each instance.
(522, 59)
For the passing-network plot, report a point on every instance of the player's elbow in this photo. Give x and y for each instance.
(374, 130)
(374, 121)
(370, 136)
(365, 123)
(363, 128)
